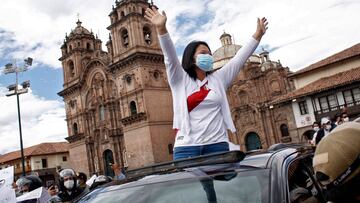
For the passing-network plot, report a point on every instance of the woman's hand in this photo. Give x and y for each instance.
(159, 20)
(261, 28)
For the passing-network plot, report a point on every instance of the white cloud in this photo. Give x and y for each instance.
(300, 33)
(326, 26)
(42, 121)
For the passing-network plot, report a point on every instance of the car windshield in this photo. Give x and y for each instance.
(249, 186)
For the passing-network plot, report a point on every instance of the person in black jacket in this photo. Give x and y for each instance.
(326, 128)
(69, 189)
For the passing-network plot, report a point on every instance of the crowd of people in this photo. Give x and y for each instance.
(326, 125)
(71, 186)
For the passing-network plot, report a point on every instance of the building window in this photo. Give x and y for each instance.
(170, 148)
(125, 38)
(303, 108)
(332, 102)
(328, 103)
(44, 163)
(128, 79)
(64, 159)
(102, 113)
(156, 75)
(133, 109)
(348, 97)
(356, 93)
(147, 35)
(143, 12)
(352, 97)
(17, 165)
(88, 46)
(75, 129)
(71, 68)
(284, 130)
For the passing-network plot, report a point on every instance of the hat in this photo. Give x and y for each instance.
(324, 120)
(337, 151)
(67, 173)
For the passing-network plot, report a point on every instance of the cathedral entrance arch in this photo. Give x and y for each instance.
(108, 161)
(252, 141)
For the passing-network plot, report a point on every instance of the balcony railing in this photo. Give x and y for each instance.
(18, 170)
(353, 108)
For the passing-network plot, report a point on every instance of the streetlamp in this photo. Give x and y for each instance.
(14, 89)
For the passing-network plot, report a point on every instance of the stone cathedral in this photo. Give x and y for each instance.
(118, 102)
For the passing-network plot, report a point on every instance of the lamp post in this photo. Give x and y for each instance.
(14, 89)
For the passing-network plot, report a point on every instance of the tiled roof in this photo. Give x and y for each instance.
(337, 80)
(40, 149)
(345, 54)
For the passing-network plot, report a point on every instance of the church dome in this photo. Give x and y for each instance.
(80, 30)
(227, 51)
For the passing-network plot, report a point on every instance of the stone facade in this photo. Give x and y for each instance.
(118, 103)
(258, 124)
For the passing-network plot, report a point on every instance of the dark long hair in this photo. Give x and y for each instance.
(188, 61)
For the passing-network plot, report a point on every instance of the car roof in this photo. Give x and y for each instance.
(199, 166)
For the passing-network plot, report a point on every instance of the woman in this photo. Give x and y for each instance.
(201, 110)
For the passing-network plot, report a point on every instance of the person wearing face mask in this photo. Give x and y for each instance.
(201, 110)
(344, 117)
(69, 189)
(316, 128)
(27, 184)
(326, 128)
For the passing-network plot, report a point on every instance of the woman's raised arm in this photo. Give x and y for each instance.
(174, 69)
(230, 70)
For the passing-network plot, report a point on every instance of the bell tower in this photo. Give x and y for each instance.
(145, 97)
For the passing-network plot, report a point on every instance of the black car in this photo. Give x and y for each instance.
(283, 173)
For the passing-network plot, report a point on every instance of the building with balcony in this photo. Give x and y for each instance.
(43, 159)
(259, 82)
(324, 89)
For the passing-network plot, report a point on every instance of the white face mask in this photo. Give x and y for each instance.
(328, 127)
(69, 184)
(316, 128)
(346, 119)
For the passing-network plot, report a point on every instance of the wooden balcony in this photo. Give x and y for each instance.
(18, 171)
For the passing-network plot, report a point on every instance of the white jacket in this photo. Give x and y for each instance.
(179, 80)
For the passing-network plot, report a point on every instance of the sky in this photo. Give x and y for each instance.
(300, 33)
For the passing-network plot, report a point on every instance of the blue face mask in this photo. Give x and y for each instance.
(204, 62)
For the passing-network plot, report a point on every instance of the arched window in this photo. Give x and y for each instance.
(116, 16)
(133, 109)
(75, 129)
(70, 48)
(284, 130)
(71, 68)
(147, 35)
(252, 141)
(102, 113)
(125, 37)
(88, 46)
(143, 12)
(122, 14)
